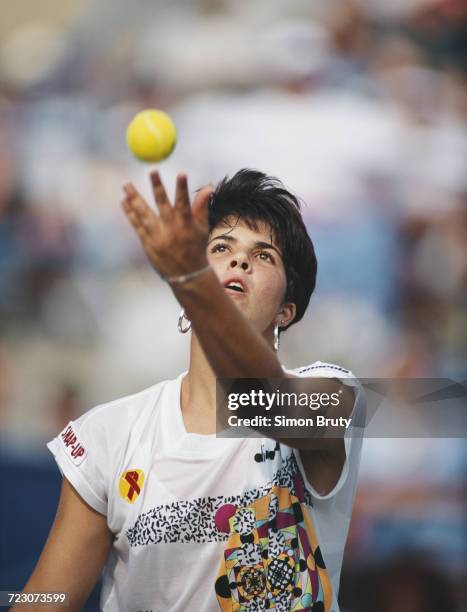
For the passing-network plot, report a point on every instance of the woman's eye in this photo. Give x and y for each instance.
(219, 247)
(266, 256)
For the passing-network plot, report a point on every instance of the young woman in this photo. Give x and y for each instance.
(180, 518)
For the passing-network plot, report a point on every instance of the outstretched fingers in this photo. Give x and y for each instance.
(134, 219)
(200, 204)
(140, 208)
(160, 194)
(182, 197)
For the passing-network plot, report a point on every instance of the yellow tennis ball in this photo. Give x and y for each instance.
(151, 135)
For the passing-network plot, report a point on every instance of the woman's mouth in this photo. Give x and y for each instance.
(235, 287)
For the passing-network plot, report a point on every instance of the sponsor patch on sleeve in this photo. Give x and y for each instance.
(72, 445)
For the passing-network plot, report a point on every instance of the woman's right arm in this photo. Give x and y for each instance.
(74, 555)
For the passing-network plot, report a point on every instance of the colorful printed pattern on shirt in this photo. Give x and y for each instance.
(272, 559)
(194, 520)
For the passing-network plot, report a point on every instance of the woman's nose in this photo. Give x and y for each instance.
(240, 261)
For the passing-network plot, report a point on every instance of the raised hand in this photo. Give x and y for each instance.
(175, 239)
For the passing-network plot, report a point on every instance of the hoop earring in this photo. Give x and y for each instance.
(276, 337)
(181, 328)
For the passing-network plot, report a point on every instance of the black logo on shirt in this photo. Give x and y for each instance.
(264, 455)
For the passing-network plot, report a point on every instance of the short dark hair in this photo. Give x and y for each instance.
(253, 196)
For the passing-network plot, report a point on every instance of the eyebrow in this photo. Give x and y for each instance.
(258, 244)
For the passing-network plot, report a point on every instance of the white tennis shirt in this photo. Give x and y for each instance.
(204, 523)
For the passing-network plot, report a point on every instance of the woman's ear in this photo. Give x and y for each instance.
(286, 314)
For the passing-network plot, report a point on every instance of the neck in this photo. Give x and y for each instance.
(198, 392)
(200, 381)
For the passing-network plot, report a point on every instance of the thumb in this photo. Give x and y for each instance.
(199, 208)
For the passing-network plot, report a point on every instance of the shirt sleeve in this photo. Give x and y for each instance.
(353, 434)
(80, 451)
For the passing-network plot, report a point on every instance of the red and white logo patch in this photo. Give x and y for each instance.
(73, 447)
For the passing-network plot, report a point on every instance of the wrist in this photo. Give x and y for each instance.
(183, 279)
(199, 290)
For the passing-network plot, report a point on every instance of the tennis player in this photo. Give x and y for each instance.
(178, 518)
